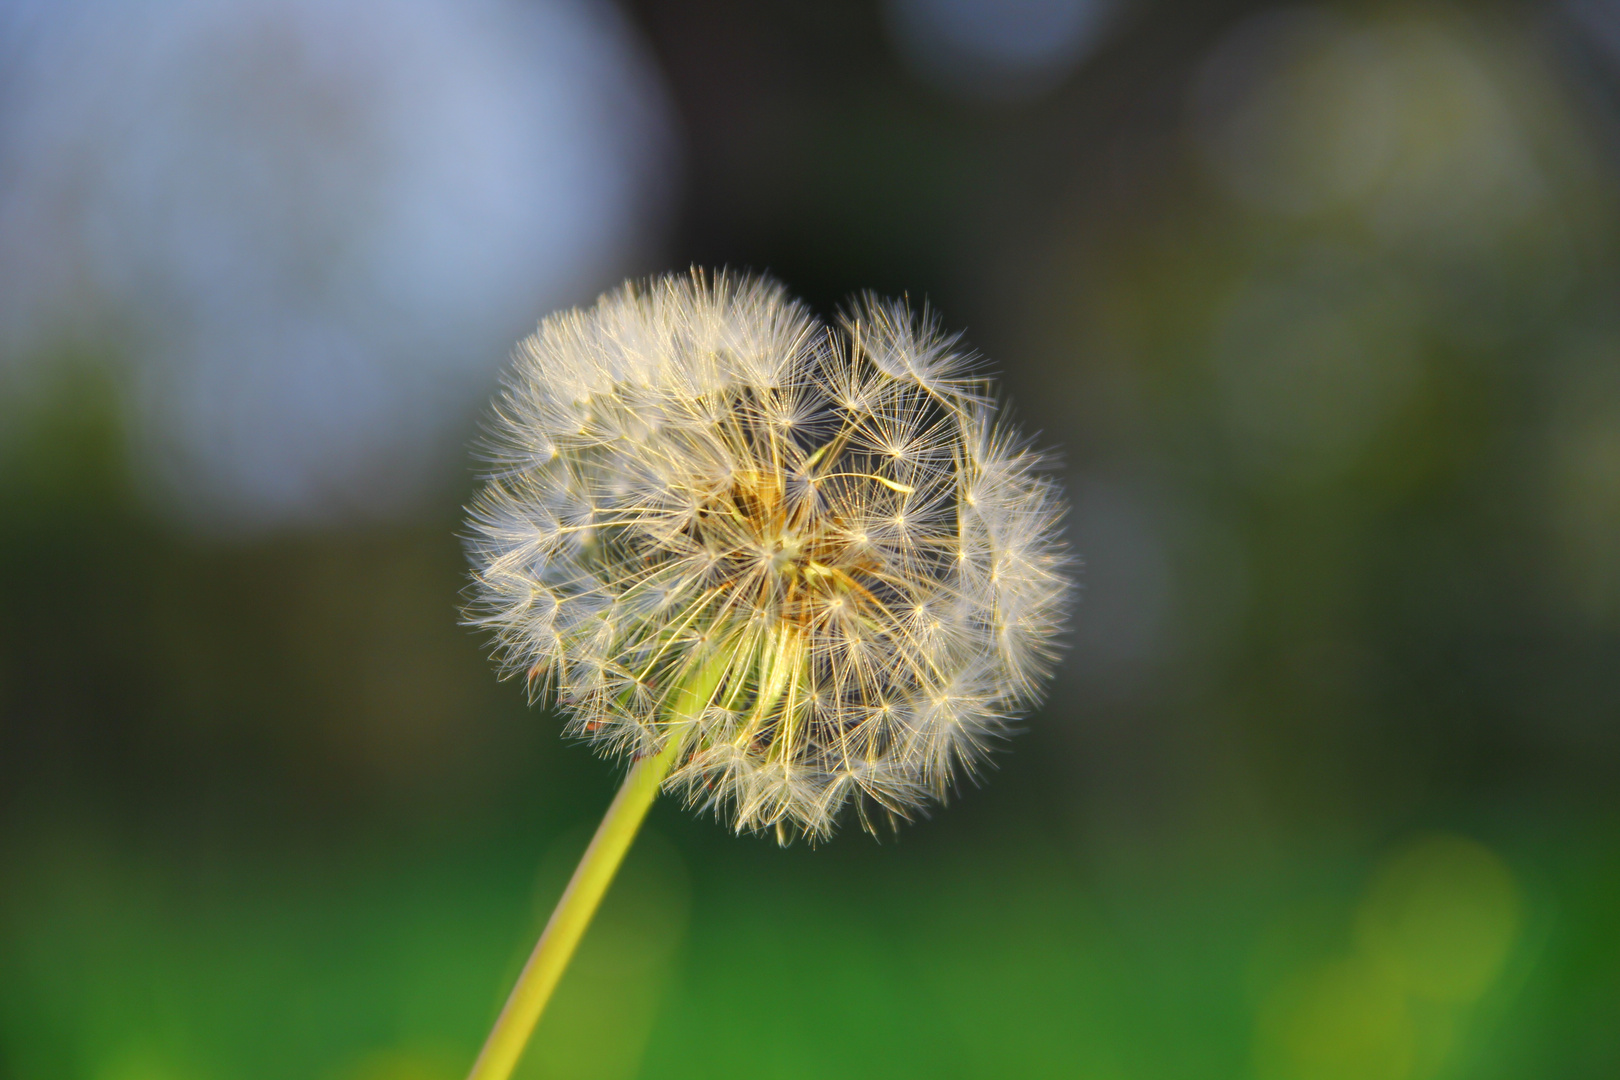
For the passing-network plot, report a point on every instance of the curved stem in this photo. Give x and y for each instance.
(590, 882)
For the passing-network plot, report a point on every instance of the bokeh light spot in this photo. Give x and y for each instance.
(1296, 111)
(997, 49)
(305, 233)
(1414, 123)
(1440, 917)
(1342, 1020)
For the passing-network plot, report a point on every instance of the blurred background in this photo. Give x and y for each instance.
(1318, 301)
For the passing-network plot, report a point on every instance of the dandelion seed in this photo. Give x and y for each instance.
(787, 569)
(696, 465)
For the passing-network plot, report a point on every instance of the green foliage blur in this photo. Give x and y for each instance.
(1323, 318)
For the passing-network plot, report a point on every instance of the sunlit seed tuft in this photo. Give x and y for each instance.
(697, 471)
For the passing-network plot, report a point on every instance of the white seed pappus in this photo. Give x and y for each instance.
(697, 483)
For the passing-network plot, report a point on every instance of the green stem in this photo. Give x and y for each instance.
(591, 879)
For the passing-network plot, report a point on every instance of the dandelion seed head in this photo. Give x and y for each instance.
(697, 474)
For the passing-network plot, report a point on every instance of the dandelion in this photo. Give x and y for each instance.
(785, 569)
